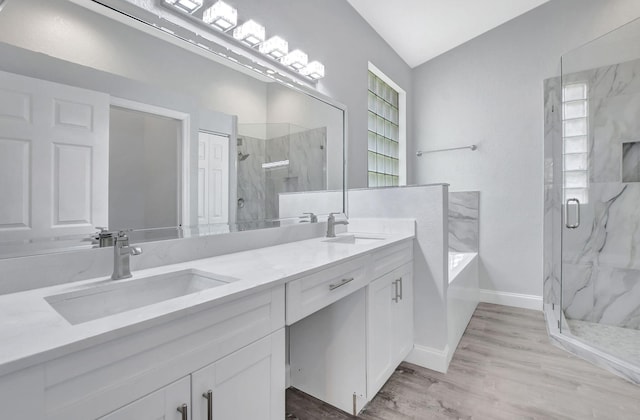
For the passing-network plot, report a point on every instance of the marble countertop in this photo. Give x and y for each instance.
(32, 332)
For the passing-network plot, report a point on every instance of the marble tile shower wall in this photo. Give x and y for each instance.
(259, 188)
(464, 228)
(600, 259)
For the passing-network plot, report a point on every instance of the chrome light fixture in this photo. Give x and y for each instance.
(188, 6)
(250, 32)
(296, 59)
(314, 70)
(275, 47)
(221, 16)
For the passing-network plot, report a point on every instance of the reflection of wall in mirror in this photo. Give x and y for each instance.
(143, 170)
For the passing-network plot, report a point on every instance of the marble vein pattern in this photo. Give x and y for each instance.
(464, 227)
(600, 261)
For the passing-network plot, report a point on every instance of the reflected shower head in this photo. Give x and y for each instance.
(242, 156)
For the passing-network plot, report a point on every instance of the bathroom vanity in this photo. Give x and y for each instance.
(206, 339)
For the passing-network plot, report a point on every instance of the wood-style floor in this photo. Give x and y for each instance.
(504, 368)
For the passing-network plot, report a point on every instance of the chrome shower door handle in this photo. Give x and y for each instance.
(566, 213)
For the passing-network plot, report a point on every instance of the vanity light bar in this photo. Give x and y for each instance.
(272, 165)
(221, 16)
(296, 59)
(224, 18)
(314, 70)
(250, 32)
(275, 47)
(188, 6)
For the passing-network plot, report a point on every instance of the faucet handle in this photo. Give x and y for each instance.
(135, 250)
(312, 217)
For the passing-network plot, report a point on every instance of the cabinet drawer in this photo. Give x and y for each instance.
(309, 294)
(388, 259)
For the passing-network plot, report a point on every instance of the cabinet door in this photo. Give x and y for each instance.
(160, 405)
(248, 384)
(402, 325)
(381, 305)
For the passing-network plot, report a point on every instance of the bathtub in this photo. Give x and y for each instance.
(463, 295)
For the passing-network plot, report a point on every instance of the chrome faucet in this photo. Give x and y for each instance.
(121, 253)
(331, 225)
(312, 218)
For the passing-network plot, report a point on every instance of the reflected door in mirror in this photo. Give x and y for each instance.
(213, 179)
(54, 142)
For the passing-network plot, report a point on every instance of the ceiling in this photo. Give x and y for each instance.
(419, 30)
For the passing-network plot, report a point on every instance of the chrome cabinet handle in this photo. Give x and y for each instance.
(340, 283)
(209, 397)
(400, 281)
(566, 213)
(396, 296)
(184, 411)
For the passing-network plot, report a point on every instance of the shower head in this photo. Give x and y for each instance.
(242, 156)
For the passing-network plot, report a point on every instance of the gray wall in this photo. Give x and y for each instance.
(489, 91)
(332, 32)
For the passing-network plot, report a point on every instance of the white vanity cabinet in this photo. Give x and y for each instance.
(248, 384)
(162, 404)
(353, 328)
(389, 326)
(142, 375)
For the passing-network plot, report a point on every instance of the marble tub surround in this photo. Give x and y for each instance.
(32, 331)
(464, 227)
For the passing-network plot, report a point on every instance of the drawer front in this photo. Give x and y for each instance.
(309, 294)
(93, 382)
(388, 259)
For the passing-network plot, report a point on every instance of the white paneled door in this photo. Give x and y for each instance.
(213, 179)
(54, 154)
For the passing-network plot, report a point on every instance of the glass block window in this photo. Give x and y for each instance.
(384, 134)
(575, 129)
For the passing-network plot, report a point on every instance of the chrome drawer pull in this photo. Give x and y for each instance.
(400, 281)
(340, 283)
(396, 297)
(184, 411)
(209, 397)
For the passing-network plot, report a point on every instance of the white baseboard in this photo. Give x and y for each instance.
(511, 299)
(430, 358)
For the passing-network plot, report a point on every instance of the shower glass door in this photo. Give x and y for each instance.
(600, 195)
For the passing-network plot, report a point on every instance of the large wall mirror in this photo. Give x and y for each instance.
(109, 121)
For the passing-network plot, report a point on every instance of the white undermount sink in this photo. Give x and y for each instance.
(354, 239)
(120, 296)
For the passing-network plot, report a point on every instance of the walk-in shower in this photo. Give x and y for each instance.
(592, 202)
